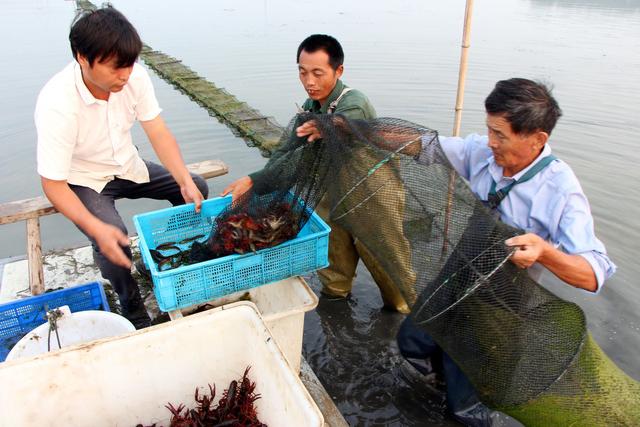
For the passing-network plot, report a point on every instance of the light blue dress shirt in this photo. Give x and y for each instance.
(551, 204)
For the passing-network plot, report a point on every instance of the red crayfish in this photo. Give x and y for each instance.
(242, 233)
(234, 409)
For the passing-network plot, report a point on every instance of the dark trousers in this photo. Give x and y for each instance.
(462, 400)
(161, 186)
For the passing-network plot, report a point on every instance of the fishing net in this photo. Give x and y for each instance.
(277, 207)
(388, 182)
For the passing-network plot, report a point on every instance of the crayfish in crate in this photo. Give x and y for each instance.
(241, 232)
(233, 233)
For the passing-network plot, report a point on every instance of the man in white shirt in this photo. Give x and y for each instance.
(86, 157)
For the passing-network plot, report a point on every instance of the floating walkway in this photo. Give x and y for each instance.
(260, 130)
(257, 129)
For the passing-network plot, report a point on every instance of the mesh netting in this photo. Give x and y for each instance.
(277, 207)
(388, 182)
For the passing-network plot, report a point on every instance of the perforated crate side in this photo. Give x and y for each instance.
(197, 283)
(17, 318)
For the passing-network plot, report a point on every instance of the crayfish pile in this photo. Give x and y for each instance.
(243, 232)
(233, 232)
(234, 409)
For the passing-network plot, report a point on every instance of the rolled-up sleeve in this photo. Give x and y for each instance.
(602, 267)
(576, 235)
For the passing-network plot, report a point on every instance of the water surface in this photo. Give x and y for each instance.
(404, 55)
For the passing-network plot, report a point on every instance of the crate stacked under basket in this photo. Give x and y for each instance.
(192, 284)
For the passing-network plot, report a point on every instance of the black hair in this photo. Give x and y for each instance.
(527, 105)
(102, 34)
(326, 43)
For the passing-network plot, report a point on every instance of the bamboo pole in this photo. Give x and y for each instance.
(462, 76)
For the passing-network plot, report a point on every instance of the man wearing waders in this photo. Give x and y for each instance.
(320, 64)
(513, 170)
(86, 156)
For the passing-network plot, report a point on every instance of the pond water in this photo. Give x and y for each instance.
(404, 55)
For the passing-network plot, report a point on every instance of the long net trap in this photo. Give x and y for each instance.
(388, 182)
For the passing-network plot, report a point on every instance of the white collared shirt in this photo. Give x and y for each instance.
(551, 204)
(87, 141)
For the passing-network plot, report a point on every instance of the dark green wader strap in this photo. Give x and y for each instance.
(495, 197)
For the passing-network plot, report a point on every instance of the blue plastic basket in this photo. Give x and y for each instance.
(193, 284)
(17, 318)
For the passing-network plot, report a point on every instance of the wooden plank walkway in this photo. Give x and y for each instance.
(262, 131)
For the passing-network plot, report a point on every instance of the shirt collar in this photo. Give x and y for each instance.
(335, 93)
(497, 171)
(84, 92)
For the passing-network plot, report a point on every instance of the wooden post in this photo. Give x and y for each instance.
(34, 256)
(462, 76)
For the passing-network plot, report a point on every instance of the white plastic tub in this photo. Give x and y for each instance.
(73, 328)
(126, 380)
(282, 306)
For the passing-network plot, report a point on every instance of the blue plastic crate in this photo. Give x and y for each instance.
(17, 318)
(193, 284)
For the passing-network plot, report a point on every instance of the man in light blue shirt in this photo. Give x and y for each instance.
(551, 207)
(511, 169)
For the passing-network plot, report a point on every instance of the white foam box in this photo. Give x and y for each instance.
(126, 380)
(282, 305)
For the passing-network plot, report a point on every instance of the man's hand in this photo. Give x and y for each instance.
(110, 241)
(191, 194)
(573, 269)
(238, 187)
(309, 129)
(108, 237)
(530, 248)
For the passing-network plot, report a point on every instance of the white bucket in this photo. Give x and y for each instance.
(73, 328)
